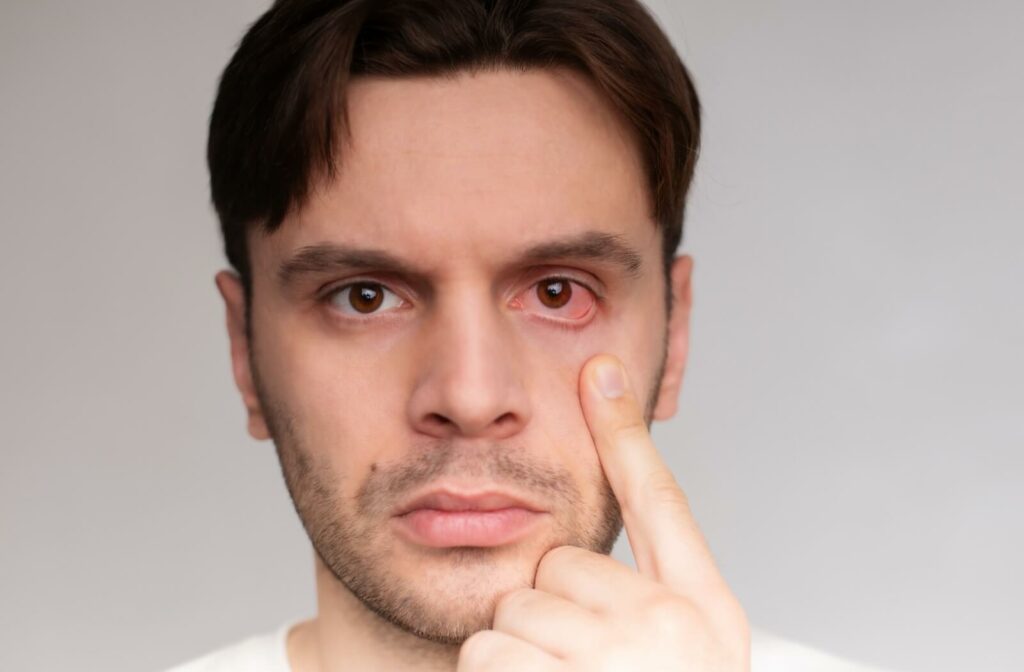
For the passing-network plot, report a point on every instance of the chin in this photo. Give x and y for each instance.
(447, 594)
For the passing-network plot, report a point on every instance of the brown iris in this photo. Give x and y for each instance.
(365, 297)
(554, 293)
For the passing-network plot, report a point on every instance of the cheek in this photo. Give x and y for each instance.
(556, 363)
(558, 418)
(556, 385)
(342, 412)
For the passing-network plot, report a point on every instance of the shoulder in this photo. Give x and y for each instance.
(259, 653)
(771, 653)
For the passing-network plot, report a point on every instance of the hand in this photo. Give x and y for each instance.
(588, 611)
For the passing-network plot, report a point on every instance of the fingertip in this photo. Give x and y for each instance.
(610, 379)
(593, 368)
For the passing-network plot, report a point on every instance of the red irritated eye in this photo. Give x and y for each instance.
(560, 298)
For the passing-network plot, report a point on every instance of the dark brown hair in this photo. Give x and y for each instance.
(280, 105)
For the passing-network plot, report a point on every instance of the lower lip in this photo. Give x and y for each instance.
(439, 529)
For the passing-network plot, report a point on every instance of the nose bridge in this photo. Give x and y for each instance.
(470, 382)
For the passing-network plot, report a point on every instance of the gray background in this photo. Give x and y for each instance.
(850, 431)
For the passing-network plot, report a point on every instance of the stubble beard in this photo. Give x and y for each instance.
(358, 548)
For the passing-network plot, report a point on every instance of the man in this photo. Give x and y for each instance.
(456, 309)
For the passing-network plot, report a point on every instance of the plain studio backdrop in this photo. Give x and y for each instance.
(850, 430)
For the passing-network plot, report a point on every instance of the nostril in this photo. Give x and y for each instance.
(439, 419)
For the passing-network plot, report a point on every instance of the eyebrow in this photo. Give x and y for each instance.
(591, 245)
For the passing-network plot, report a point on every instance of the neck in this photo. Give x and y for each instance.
(345, 635)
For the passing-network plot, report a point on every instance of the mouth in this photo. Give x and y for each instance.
(445, 518)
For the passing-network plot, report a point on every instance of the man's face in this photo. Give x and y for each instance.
(460, 370)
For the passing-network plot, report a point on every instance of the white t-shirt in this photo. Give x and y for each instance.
(267, 653)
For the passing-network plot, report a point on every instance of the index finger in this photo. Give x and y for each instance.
(667, 543)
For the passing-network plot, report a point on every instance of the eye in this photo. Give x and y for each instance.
(561, 296)
(360, 298)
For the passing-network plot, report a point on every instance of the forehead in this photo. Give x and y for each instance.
(473, 165)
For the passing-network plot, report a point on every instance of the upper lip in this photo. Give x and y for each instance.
(447, 499)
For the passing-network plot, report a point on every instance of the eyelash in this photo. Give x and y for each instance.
(558, 324)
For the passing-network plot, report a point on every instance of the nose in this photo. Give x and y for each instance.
(471, 381)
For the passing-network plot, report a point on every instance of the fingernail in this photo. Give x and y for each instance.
(609, 379)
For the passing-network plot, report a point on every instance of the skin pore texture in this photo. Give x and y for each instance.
(377, 384)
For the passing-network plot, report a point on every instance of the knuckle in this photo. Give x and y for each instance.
(733, 619)
(630, 431)
(662, 486)
(553, 560)
(567, 563)
(661, 490)
(512, 603)
(671, 616)
(551, 570)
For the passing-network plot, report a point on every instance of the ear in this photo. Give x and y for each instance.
(678, 338)
(233, 292)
